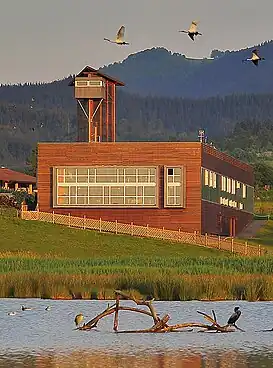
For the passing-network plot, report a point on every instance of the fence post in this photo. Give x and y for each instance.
(100, 224)
(206, 239)
(69, 220)
(84, 222)
(195, 236)
(132, 228)
(116, 226)
(147, 230)
(232, 245)
(163, 237)
(219, 242)
(179, 235)
(260, 251)
(53, 219)
(246, 248)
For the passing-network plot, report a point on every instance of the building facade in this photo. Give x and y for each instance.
(178, 185)
(14, 180)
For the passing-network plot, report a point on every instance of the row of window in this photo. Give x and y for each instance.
(231, 203)
(117, 186)
(227, 184)
(89, 83)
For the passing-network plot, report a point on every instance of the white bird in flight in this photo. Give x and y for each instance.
(255, 58)
(119, 38)
(192, 31)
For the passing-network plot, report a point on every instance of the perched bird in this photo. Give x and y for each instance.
(12, 313)
(78, 319)
(192, 31)
(48, 308)
(25, 308)
(119, 38)
(234, 317)
(255, 58)
(149, 298)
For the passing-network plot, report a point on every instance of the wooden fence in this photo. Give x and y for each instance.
(216, 242)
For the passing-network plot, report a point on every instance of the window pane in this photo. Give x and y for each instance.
(149, 200)
(170, 191)
(63, 191)
(171, 200)
(178, 191)
(82, 200)
(130, 179)
(82, 171)
(106, 191)
(121, 171)
(143, 179)
(95, 200)
(82, 179)
(91, 172)
(106, 171)
(60, 172)
(60, 179)
(130, 200)
(70, 179)
(139, 200)
(72, 200)
(177, 171)
(70, 171)
(121, 179)
(170, 171)
(95, 191)
(130, 191)
(117, 200)
(72, 191)
(117, 191)
(82, 191)
(107, 179)
(170, 179)
(130, 171)
(143, 171)
(177, 179)
(63, 200)
(149, 191)
(152, 179)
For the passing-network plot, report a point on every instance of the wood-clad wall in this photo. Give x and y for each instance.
(127, 154)
(228, 166)
(211, 213)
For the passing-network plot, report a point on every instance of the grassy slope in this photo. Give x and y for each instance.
(44, 239)
(265, 236)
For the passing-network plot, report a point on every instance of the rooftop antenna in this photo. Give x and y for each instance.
(201, 135)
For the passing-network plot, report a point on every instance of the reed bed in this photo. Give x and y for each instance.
(166, 278)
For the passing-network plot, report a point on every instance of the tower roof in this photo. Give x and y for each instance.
(88, 70)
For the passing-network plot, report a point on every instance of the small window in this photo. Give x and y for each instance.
(228, 185)
(174, 183)
(244, 191)
(170, 171)
(206, 177)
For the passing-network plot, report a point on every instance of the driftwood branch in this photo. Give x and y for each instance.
(160, 324)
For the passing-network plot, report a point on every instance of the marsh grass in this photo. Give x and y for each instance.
(166, 278)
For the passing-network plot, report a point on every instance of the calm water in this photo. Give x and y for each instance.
(40, 338)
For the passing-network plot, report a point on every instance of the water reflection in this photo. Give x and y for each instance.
(175, 359)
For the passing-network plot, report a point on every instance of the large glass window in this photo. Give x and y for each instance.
(174, 187)
(105, 186)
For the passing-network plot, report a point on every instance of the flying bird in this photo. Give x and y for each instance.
(234, 317)
(119, 38)
(192, 31)
(255, 58)
(78, 319)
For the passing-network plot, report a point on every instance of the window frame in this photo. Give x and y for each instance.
(182, 186)
(105, 185)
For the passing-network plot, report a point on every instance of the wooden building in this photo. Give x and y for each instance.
(177, 185)
(14, 180)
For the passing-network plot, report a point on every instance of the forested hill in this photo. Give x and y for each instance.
(158, 72)
(52, 118)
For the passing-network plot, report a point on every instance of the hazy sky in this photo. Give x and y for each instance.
(50, 39)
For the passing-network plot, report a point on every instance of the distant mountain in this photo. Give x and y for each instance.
(158, 72)
(162, 103)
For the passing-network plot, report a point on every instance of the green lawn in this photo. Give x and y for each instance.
(49, 239)
(265, 236)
